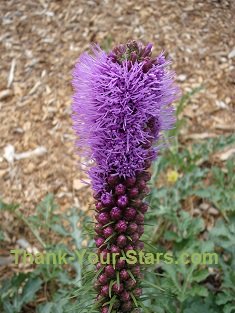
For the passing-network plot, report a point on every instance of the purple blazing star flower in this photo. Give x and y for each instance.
(118, 109)
(122, 103)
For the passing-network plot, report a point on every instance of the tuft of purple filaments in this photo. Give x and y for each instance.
(121, 104)
(119, 111)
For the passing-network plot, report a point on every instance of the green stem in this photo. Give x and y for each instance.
(35, 233)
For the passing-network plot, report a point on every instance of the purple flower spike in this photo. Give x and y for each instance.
(122, 103)
(112, 105)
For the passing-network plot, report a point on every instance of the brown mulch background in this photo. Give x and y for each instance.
(39, 43)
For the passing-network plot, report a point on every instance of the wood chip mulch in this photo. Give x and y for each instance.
(39, 43)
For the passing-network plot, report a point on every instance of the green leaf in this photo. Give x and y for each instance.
(229, 308)
(112, 301)
(118, 279)
(112, 282)
(131, 275)
(134, 300)
(199, 290)
(30, 289)
(200, 275)
(46, 307)
(223, 298)
(1, 236)
(8, 308)
(8, 207)
(198, 307)
(202, 193)
(223, 234)
(60, 230)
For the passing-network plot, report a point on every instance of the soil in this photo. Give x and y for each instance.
(39, 44)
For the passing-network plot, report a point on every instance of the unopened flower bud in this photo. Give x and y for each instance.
(122, 201)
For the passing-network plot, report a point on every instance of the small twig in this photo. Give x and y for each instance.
(11, 73)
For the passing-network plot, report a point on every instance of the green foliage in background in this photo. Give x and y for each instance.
(170, 226)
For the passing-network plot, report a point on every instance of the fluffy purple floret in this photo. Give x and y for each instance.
(118, 111)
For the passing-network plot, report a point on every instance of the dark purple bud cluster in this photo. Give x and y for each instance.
(133, 52)
(120, 224)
